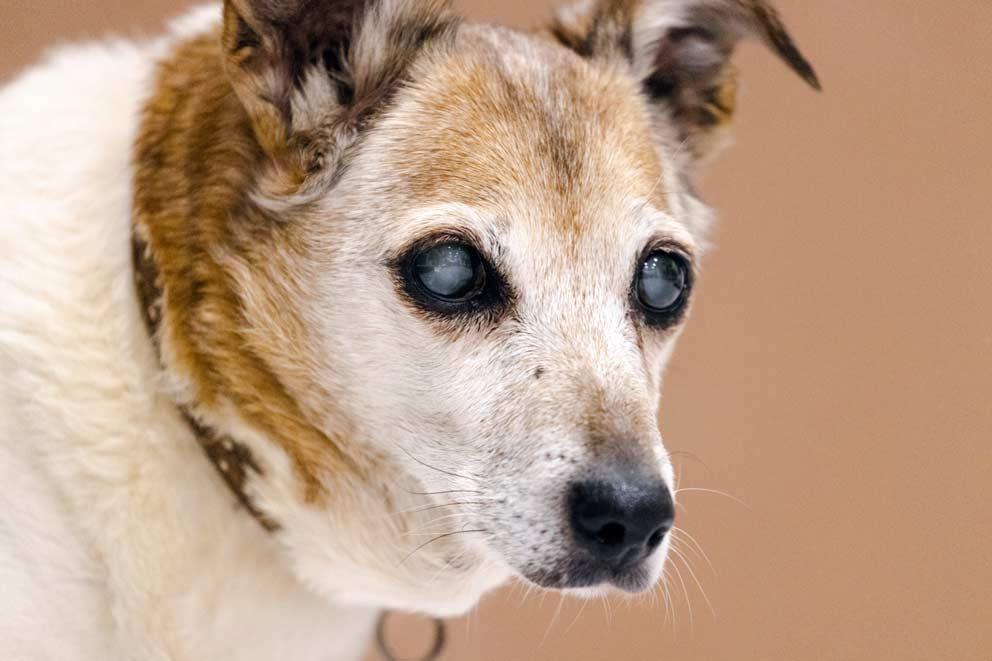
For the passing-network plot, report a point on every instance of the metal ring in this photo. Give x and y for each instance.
(433, 655)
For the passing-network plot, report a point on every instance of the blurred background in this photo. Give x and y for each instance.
(835, 381)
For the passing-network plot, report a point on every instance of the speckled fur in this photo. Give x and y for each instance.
(277, 158)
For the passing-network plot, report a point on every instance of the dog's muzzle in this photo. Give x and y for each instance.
(616, 522)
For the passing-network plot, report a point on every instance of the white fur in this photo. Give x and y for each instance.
(90, 449)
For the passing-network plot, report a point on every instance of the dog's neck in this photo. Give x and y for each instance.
(171, 264)
(231, 459)
(197, 162)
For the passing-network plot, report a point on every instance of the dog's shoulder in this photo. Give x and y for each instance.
(54, 605)
(79, 406)
(65, 132)
(74, 353)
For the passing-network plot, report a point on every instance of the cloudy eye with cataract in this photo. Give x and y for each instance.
(662, 282)
(449, 271)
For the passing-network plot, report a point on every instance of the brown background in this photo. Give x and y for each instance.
(836, 375)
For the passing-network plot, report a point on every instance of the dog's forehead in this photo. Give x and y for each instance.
(517, 124)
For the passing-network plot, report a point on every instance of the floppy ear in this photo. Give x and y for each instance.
(680, 51)
(311, 70)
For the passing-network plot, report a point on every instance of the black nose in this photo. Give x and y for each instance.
(620, 521)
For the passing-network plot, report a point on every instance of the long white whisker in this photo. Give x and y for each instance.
(607, 612)
(680, 532)
(688, 599)
(719, 493)
(669, 601)
(699, 585)
(554, 620)
(439, 519)
(441, 493)
(578, 615)
(428, 508)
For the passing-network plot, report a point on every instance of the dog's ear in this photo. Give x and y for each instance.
(680, 52)
(307, 66)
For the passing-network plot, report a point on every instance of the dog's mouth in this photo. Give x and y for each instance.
(578, 574)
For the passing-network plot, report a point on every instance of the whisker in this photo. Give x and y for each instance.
(699, 585)
(444, 517)
(441, 493)
(554, 620)
(449, 563)
(669, 602)
(424, 533)
(719, 493)
(455, 504)
(442, 536)
(427, 508)
(439, 519)
(606, 612)
(439, 470)
(585, 602)
(683, 531)
(688, 455)
(528, 589)
(688, 600)
(687, 548)
(654, 188)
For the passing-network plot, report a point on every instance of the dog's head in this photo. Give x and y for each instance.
(439, 309)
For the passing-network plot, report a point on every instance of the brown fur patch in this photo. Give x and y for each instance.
(219, 126)
(196, 159)
(232, 460)
(689, 71)
(269, 46)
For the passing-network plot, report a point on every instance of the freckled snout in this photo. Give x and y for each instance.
(620, 521)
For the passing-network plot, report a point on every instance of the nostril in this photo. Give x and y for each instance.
(611, 534)
(655, 539)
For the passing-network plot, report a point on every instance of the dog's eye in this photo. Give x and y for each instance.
(450, 271)
(662, 283)
(445, 276)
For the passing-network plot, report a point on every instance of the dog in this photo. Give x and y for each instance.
(318, 309)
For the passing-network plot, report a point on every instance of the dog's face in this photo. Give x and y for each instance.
(487, 249)
(511, 266)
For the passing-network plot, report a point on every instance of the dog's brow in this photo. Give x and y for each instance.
(664, 228)
(452, 218)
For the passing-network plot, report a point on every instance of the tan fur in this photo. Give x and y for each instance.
(197, 138)
(297, 166)
(548, 140)
(297, 127)
(220, 127)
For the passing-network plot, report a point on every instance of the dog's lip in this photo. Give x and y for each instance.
(633, 579)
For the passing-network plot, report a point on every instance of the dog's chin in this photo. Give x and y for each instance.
(585, 579)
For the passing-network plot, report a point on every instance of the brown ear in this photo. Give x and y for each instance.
(680, 50)
(313, 66)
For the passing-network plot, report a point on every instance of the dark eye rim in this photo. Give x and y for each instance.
(489, 296)
(667, 317)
